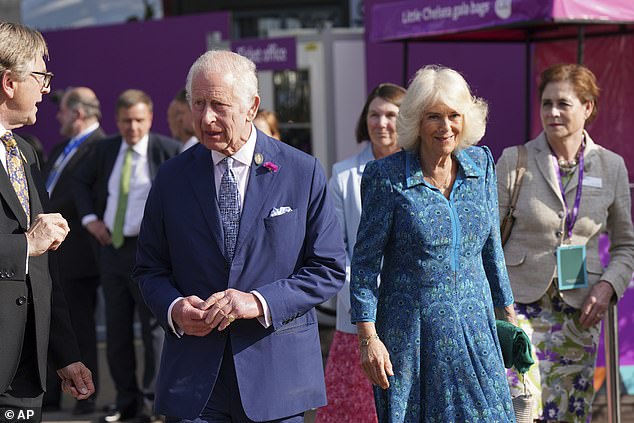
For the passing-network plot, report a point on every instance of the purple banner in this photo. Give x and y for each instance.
(153, 56)
(268, 54)
(415, 18)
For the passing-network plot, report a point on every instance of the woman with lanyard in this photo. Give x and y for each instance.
(572, 191)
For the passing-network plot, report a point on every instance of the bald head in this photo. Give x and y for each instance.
(78, 110)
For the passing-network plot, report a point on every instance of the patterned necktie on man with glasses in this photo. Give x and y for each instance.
(15, 170)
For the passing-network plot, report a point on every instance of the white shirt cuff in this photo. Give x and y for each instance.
(177, 331)
(88, 218)
(264, 320)
(27, 256)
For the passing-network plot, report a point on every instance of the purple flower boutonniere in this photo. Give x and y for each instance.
(272, 167)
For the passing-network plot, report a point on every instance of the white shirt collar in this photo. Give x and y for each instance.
(86, 131)
(3, 129)
(244, 155)
(140, 147)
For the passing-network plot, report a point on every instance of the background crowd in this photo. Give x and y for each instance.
(410, 227)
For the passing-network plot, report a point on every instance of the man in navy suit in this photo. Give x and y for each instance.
(110, 188)
(238, 244)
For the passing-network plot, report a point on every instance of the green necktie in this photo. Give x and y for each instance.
(122, 203)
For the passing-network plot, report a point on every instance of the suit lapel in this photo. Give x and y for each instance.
(153, 153)
(96, 135)
(36, 188)
(545, 166)
(34, 193)
(363, 158)
(9, 195)
(260, 183)
(201, 177)
(589, 156)
(110, 157)
(6, 189)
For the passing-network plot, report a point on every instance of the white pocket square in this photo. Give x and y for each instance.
(278, 211)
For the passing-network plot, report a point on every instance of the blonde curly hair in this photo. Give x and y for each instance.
(433, 84)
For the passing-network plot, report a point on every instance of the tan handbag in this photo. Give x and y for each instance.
(507, 223)
(523, 405)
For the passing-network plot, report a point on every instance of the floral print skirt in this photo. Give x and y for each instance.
(348, 390)
(561, 380)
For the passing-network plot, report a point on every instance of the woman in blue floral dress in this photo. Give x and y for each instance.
(430, 227)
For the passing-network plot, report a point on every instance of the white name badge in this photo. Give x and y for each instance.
(592, 181)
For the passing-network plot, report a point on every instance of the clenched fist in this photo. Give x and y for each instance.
(46, 233)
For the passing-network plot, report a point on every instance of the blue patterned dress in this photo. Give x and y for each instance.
(443, 271)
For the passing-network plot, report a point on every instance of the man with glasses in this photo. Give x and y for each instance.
(32, 305)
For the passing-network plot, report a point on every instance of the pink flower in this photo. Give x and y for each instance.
(272, 167)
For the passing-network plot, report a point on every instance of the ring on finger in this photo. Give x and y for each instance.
(231, 318)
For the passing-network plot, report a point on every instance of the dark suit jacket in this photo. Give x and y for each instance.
(90, 181)
(49, 305)
(77, 255)
(295, 260)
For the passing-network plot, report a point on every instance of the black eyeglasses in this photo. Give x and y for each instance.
(46, 82)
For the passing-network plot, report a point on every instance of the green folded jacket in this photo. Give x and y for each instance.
(516, 346)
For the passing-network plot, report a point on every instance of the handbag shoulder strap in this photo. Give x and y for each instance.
(519, 174)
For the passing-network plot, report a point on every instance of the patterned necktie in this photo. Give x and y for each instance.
(122, 202)
(229, 208)
(15, 170)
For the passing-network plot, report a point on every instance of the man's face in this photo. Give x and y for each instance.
(174, 119)
(28, 93)
(179, 119)
(221, 122)
(134, 122)
(66, 118)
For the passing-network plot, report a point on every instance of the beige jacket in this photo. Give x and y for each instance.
(539, 226)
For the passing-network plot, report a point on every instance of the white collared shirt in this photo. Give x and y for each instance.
(3, 150)
(243, 159)
(188, 144)
(140, 184)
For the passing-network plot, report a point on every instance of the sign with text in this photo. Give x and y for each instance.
(414, 18)
(268, 54)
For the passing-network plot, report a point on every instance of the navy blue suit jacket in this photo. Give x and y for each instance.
(295, 260)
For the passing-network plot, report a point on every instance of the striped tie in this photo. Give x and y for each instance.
(15, 169)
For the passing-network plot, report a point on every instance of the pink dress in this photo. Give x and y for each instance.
(349, 391)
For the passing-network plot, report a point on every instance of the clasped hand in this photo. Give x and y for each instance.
(47, 232)
(198, 317)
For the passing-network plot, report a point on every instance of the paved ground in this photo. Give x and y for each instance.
(106, 396)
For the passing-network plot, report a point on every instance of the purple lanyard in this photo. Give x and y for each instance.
(571, 214)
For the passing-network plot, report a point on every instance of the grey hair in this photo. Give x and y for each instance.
(85, 99)
(19, 47)
(433, 84)
(238, 71)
